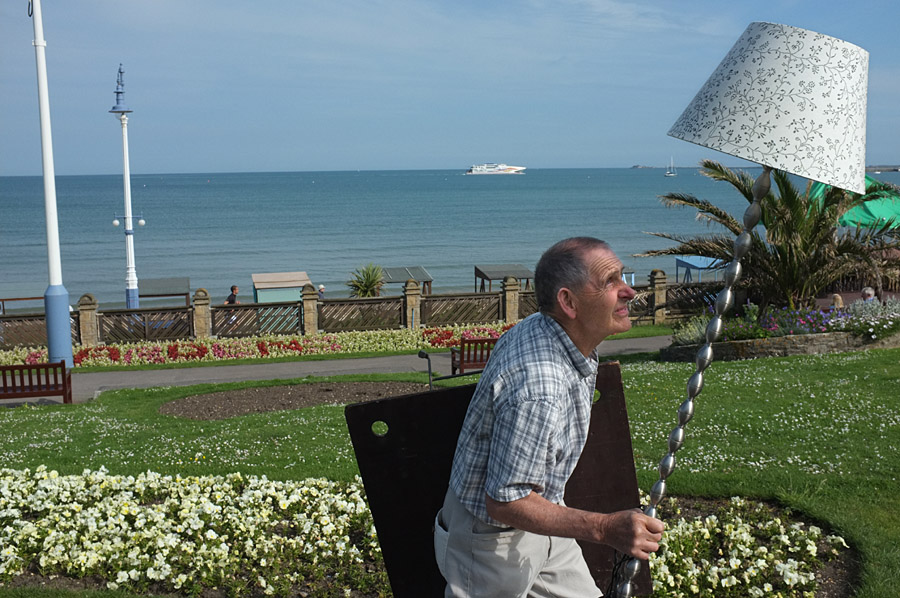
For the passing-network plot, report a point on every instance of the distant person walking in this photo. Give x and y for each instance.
(321, 292)
(232, 298)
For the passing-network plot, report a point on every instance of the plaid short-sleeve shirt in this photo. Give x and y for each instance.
(528, 420)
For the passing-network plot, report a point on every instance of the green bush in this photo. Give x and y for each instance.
(691, 331)
(873, 320)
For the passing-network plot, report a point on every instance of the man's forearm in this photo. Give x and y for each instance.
(630, 532)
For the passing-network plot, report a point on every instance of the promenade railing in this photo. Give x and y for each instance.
(462, 308)
(256, 319)
(370, 313)
(152, 324)
(654, 303)
(30, 330)
(527, 304)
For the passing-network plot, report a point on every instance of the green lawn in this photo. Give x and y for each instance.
(820, 434)
(643, 332)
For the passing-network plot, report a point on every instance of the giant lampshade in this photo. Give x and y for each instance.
(790, 99)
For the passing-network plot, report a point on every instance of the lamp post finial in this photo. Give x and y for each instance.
(120, 108)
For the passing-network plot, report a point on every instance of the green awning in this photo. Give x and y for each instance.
(875, 212)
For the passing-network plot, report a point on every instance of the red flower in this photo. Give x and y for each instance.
(293, 345)
(112, 353)
(186, 351)
(439, 338)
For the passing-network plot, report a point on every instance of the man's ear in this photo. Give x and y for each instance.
(567, 303)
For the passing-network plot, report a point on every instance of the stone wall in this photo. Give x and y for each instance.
(800, 344)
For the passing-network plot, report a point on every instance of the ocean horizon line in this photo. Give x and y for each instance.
(219, 229)
(460, 170)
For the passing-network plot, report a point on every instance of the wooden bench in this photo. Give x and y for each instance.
(472, 354)
(38, 380)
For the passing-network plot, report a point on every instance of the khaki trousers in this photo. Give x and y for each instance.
(479, 560)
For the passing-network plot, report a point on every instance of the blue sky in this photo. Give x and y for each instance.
(228, 86)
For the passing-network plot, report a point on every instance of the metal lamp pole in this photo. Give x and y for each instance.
(56, 298)
(132, 300)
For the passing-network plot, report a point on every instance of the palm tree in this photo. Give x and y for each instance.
(801, 249)
(366, 281)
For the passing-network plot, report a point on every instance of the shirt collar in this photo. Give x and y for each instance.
(585, 366)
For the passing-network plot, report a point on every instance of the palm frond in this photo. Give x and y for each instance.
(366, 281)
(800, 249)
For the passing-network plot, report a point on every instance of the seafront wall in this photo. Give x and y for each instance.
(655, 303)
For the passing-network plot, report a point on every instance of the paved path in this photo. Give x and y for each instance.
(86, 386)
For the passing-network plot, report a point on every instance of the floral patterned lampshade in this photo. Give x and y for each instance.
(790, 99)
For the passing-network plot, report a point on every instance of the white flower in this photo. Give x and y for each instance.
(729, 581)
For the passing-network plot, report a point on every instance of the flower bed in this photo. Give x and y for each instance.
(252, 536)
(741, 550)
(261, 347)
(246, 535)
(805, 344)
(791, 332)
(450, 337)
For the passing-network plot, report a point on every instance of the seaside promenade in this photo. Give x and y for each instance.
(87, 386)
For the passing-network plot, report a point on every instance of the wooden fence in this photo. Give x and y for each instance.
(527, 304)
(686, 300)
(376, 313)
(31, 330)
(469, 308)
(257, 319)
(133, 325)
(657, 303)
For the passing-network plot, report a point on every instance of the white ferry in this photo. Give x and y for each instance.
(491, 168)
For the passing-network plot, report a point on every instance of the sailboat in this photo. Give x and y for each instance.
(670, 170)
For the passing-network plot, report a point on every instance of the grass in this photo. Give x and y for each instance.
(644, 331)
(123, 431)
(819, 434)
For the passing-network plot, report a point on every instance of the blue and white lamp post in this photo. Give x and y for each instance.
(56, 298)
(131, 281)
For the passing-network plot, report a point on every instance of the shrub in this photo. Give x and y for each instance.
(870, 321)
(873, 320)
(691, 331)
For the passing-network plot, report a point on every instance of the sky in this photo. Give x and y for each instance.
(236, 86)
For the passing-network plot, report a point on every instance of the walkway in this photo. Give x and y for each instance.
(88, 385)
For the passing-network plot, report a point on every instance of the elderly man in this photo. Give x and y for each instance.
(504, 530)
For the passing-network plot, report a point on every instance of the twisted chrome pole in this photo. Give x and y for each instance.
(724, 302)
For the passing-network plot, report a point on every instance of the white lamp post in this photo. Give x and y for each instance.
(56, 298)
(787, 99)
(132, 300)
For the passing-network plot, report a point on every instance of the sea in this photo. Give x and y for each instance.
(217, 229)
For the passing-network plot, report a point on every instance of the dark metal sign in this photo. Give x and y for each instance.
(405, 445)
